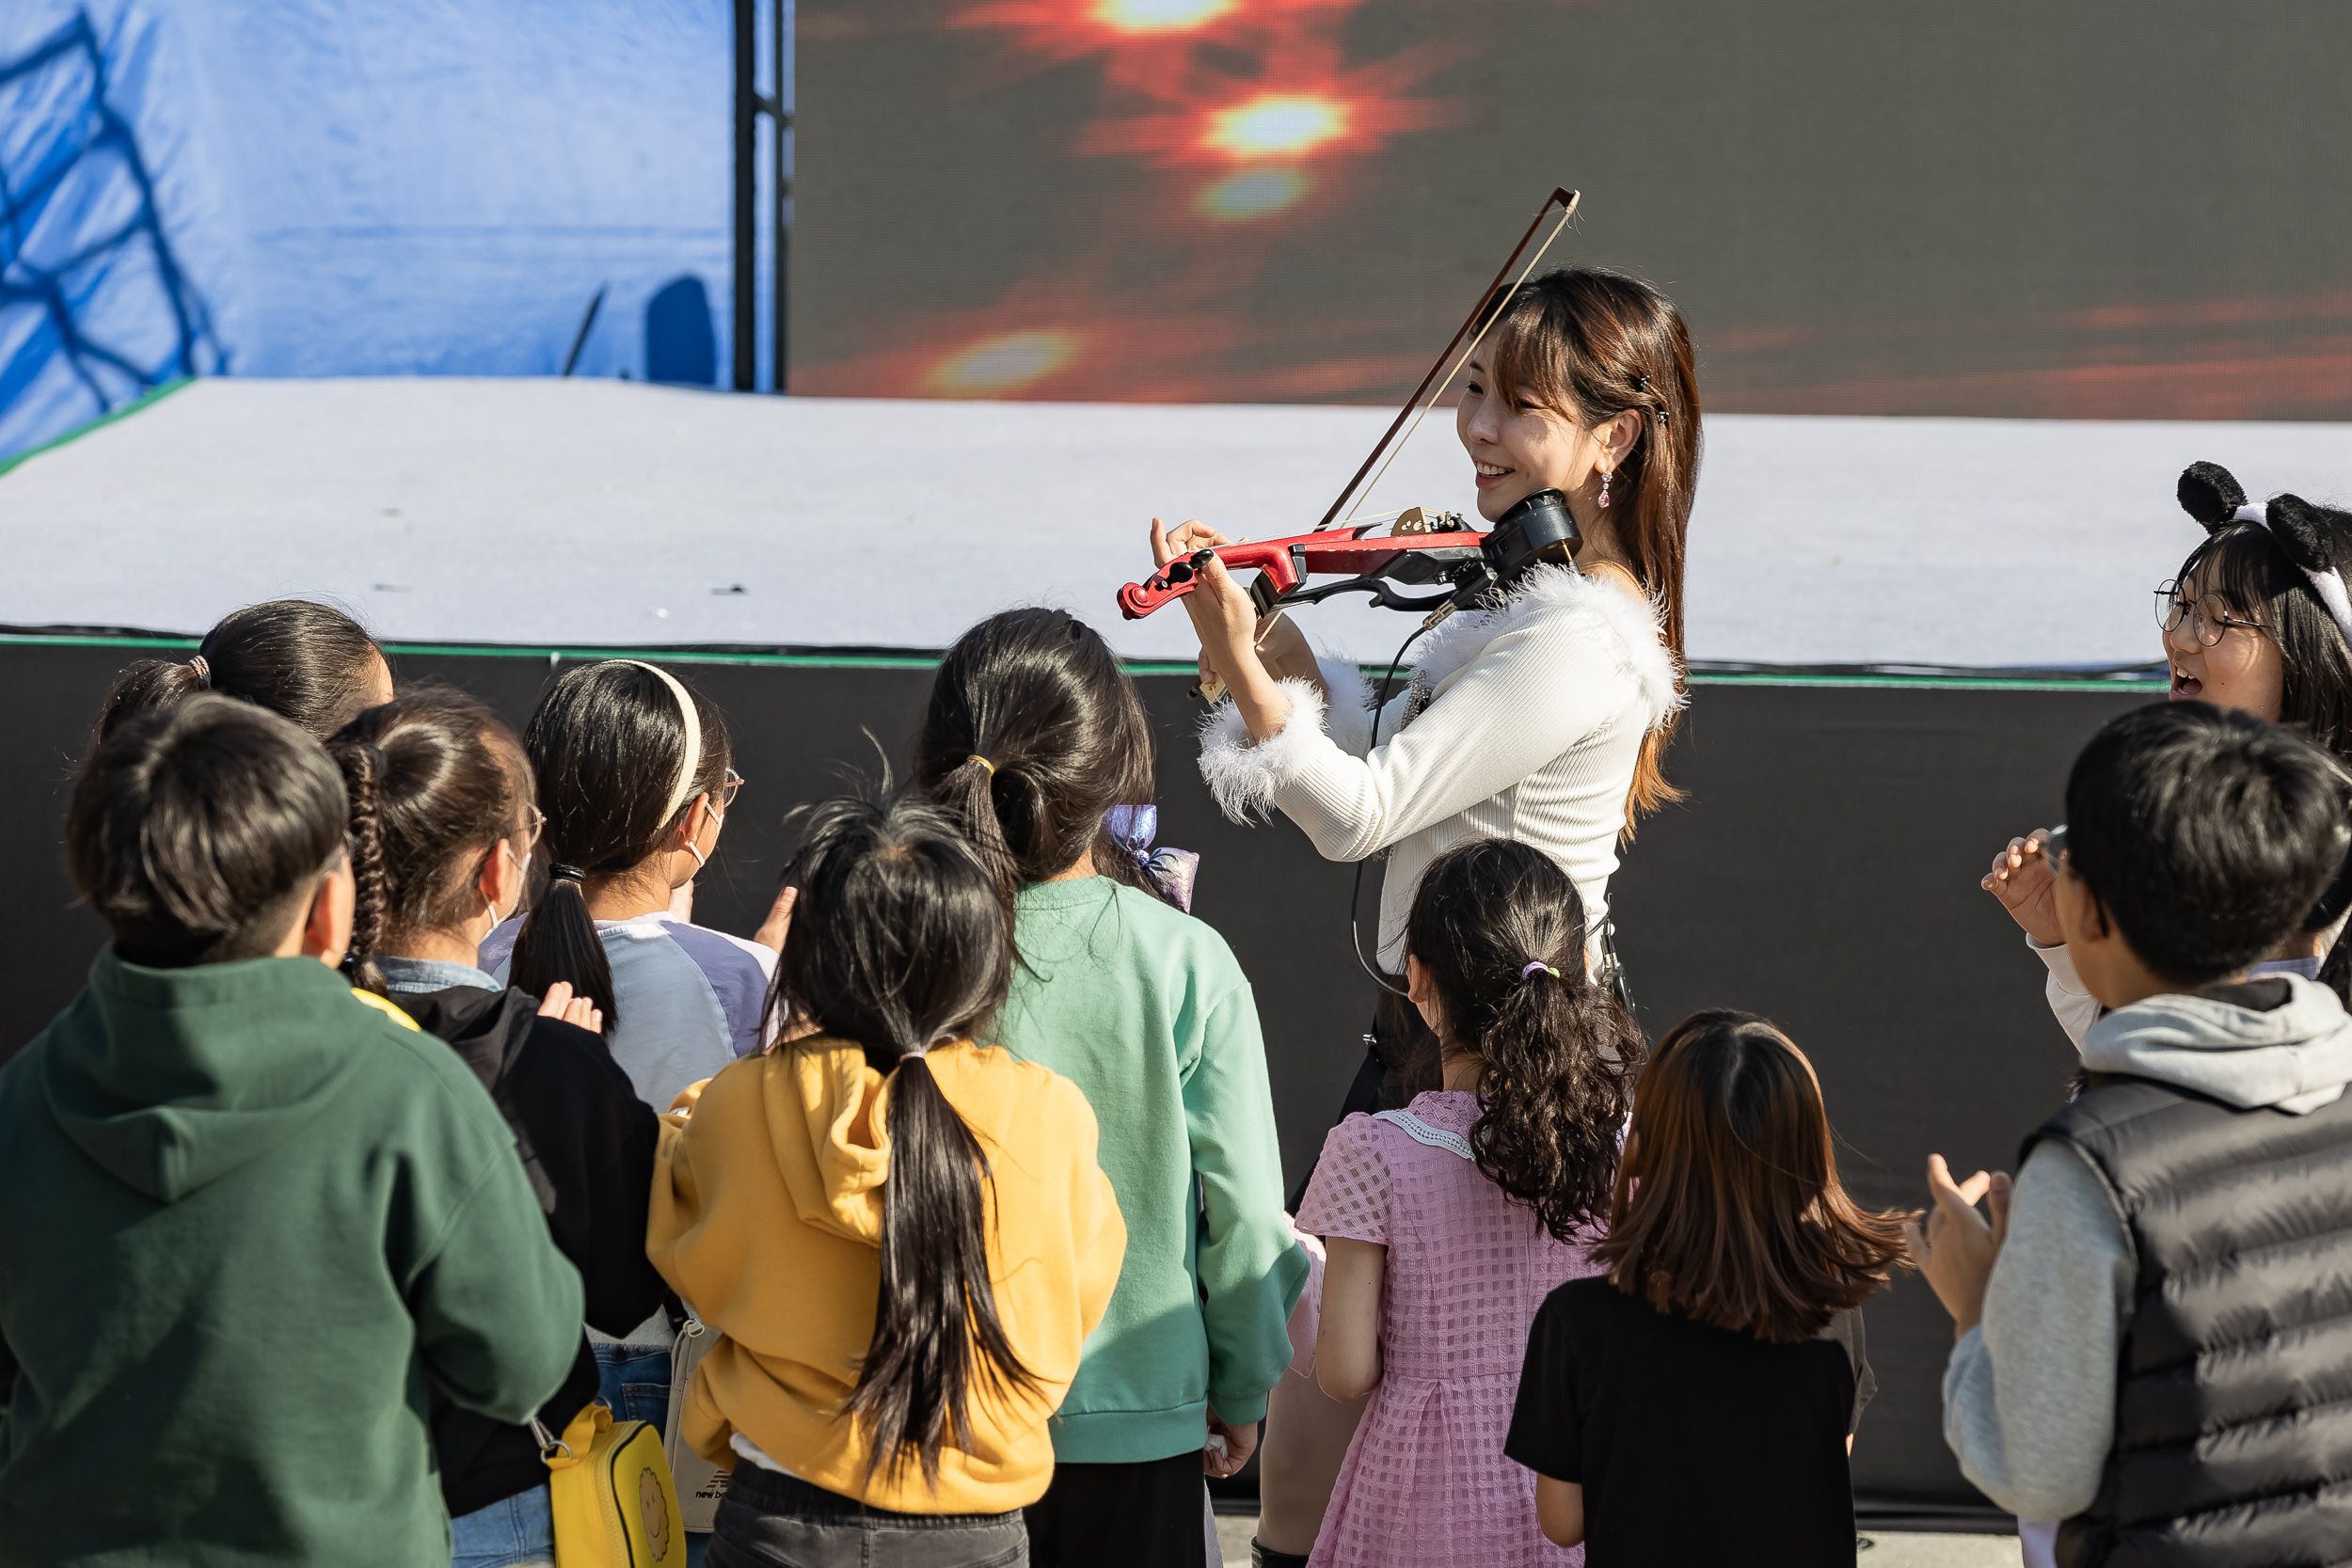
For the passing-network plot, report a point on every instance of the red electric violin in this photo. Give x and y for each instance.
(1420, 546)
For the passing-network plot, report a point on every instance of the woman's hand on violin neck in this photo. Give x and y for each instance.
(1184, 539)
(1227, 619)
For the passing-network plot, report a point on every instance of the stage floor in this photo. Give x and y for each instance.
(589, 513)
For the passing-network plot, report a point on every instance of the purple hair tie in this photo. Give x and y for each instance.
(1536, 965)
(1172, 873)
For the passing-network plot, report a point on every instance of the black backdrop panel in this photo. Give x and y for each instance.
(1822, 873)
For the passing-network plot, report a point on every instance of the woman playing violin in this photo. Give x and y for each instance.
(1542, 718)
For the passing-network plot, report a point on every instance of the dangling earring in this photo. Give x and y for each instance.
(1604, 489)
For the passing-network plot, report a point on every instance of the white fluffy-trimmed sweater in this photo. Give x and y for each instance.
(1532, 725)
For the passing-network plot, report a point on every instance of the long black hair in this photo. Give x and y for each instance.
(1558, 1051)
(308, 662)
(607, 747)
(435, 780)
(1032, 733)
(900, 942)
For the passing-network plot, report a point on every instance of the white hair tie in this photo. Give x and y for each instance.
(684, 788)
(2328, 584)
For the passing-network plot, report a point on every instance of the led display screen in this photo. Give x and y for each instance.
(2098, 210)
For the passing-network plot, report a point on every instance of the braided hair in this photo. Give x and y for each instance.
(436, 780)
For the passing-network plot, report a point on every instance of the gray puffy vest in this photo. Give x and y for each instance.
(2233, 1390)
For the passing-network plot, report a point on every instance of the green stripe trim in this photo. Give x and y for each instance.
(1137, 667)
(144, 399)
(577, 656)
(1933, 683)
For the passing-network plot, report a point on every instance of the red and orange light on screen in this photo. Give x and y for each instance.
(1245, 109)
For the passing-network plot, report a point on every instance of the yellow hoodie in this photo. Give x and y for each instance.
(767, 1217)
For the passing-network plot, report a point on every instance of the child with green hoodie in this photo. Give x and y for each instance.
(1036, 741)
(253, 1219)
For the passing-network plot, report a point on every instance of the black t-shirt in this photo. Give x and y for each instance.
(1692, 1444)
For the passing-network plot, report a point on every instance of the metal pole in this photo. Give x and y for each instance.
(783, 101)
(746, 156)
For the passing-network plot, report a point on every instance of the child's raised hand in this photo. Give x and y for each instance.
(580, 1011)
(778, 924)
(2021, 880)
(1956, 1248)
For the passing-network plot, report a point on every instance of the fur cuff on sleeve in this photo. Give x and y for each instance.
(1243, 774)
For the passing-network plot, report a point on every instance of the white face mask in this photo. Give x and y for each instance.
(522, 883)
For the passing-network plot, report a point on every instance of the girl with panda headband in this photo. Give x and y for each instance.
(2258, 620)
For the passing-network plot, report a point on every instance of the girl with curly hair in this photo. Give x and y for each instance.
(1446, 1223)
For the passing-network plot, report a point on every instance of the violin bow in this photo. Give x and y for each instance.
(1564, 199)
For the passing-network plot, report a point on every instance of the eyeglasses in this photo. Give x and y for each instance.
(2207, 624)
(538, 826)
(2054, 848)
(727, 788)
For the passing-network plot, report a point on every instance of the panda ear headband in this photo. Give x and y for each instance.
(2317, 540)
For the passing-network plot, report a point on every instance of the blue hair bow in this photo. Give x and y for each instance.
(1170, 872)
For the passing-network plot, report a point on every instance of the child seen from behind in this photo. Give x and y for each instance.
(902, 1237)
(632, 770)
(1698, 1401)
(1034, 735)
(1447, 1222)
(254, 1221)
(443, 827)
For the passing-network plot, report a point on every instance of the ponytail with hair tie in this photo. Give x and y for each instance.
(621, 750)
(903, 946)
(1556, 1059)
(1040, 703)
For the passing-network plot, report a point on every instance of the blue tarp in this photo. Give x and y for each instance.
(356, 187)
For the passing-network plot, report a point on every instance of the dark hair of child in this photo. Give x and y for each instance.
(900, 942)
(2206, 834)
(198, 832)
(435, 779)
(1032, 733)
(606, 747)
(1558, 1051)
(307, 662)
(1728, 1207)
(1594, 344)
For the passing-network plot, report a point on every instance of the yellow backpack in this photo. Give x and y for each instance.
(614, 1503)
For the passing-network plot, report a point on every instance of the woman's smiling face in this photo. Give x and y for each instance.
(2242, 671)
(1517, 450)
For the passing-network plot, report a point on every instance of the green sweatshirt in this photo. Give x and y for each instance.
(249, 1218)
(1144, 1008)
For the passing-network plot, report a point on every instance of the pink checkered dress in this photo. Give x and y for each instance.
(1425, 1480)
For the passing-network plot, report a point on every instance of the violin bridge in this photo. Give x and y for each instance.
(1419, 520)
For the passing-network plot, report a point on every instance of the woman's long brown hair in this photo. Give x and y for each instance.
(1594, 344)
(1727, 1206)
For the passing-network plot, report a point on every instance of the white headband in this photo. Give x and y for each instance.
(2328, 584)
(685, 786)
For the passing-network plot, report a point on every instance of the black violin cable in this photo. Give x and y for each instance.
(1355, 933)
